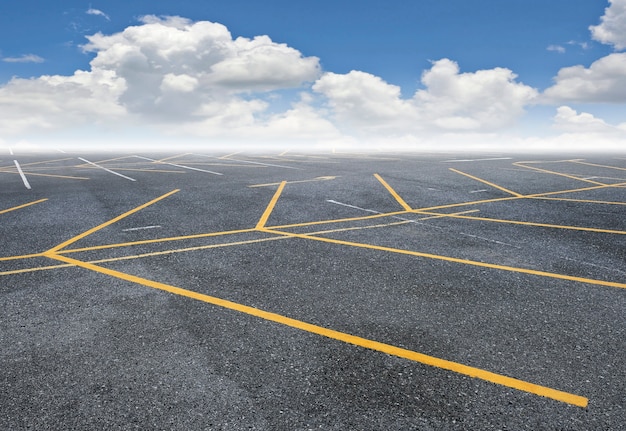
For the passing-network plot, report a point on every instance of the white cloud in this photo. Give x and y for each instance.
(452, 101)
(556, 48)
(569, 120)
(52, 102)
(612, 27)
(97, 12)
(166, 70)
(482, 100)
(202, 56)
(365, 101)
(26, 58)
(604, 81)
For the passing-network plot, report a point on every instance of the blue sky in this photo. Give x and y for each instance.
(392, 45)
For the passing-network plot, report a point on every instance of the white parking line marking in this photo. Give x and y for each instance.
(180, 166)
(477, 160)
(253, 163)
(108, 170)
(131, 229)
(19, 169)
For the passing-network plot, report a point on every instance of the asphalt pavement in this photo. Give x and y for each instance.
(301, 291)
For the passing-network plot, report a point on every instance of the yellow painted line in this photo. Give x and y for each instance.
(270, 206)
(67, 177)
(340, 220)
(39, 268)
(327, 178)
(229, 155)
(559, 174)
(110, 222)
(342, 336)
(22, 206)
(114, 159)
(461, 204)
(487, 182)
(171, 157)
(47, 161)
(393, 193)
(583, 189)
(438, 207)
(139, 170)
(594, 164)
(580, 200)
(453, 259)
(526, 223)
(23, 256)
(153, 241)
(346, 229)
(188, 249)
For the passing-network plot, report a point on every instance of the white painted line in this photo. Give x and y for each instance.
(108, 170)
(11, 151)
(131, 229)
(60, 150)
(370, 211)
(352, 206)
(248, 161)
(478, 191)
(477, 160)
(19, 169)
(180, 166)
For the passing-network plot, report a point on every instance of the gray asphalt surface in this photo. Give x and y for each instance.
(541, 299)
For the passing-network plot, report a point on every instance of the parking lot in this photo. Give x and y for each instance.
(312, 291)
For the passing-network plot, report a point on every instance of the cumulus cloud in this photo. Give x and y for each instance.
(451, 101)
(603, 81)
(26, 58)
(569, 120)
(166, 57)
(612, 27)
(52, 102)
(481, 100)
(362, 100)
(164, 70)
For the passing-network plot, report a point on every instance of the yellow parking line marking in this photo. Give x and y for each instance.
(327, 178)
(114, 159)
(340, 220)
(153, 241)
(396, 196)
(559, 174)
(187, 249)
(487, 182)
(55, 176)
(526, 223)
(23, 256)
(110, 222)
(39, 268)
(461, 204)
(22, 206)
(228, 155)
(270, 206)
(452, 259)
(579, 200)
(342, 336)
(171, 157)
(140, 170)
(594, 164)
